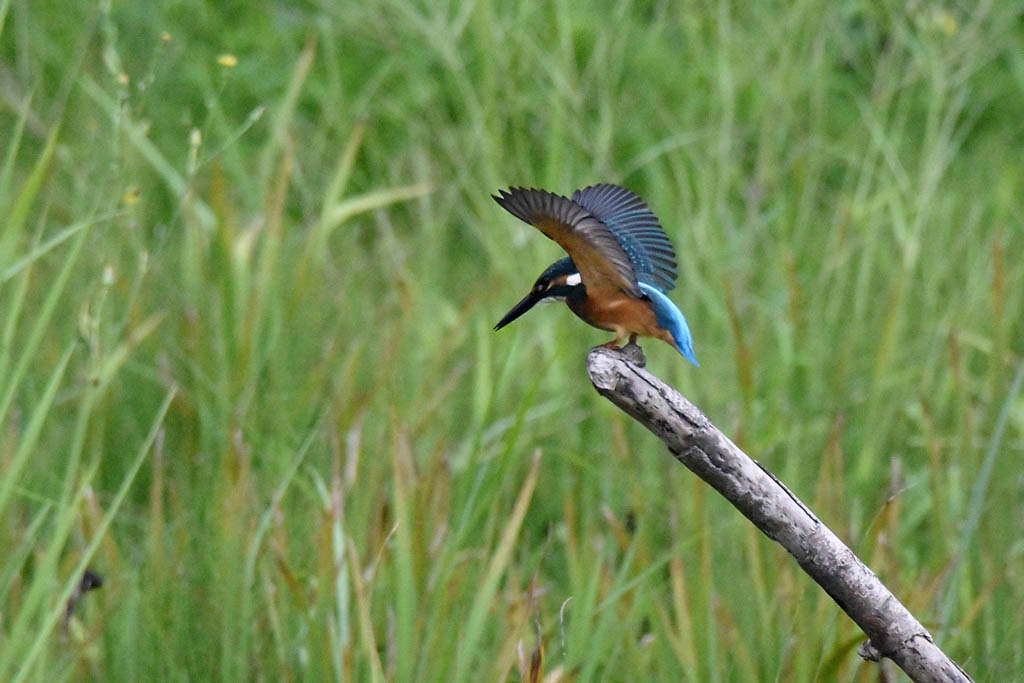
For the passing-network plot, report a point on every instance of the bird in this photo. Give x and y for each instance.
(620, 264)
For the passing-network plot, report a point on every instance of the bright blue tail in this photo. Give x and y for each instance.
(671, 318)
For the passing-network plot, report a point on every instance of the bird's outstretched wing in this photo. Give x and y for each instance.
(637, 230)
(604, 265)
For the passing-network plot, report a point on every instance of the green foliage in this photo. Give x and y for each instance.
(248, 270)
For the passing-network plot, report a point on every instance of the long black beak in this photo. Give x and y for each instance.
(528, 302)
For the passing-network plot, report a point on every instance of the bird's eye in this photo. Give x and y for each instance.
(540, 287)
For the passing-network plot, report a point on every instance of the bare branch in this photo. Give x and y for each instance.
(764, 500)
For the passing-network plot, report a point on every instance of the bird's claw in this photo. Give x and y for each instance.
(634, 354)
(631, 352)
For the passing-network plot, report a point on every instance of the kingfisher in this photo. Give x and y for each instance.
(620, 265)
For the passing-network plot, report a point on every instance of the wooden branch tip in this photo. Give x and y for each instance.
(752, 489)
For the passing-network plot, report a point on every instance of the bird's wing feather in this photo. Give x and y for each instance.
(637, 230)
(604, 265)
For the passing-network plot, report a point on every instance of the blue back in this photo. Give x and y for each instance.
(672, 319)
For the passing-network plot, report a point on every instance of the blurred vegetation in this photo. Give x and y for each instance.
(248, 270)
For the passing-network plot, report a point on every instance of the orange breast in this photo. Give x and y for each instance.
(621, 314)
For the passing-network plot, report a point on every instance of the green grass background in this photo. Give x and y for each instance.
(247, 371)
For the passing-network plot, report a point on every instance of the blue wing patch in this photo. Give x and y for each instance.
(672, 319)
(637, 230)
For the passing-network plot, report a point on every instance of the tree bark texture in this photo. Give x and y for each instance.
(892, 630)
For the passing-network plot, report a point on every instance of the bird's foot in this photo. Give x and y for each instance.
(631, 352)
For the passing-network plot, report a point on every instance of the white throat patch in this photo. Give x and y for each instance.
(573, 280)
